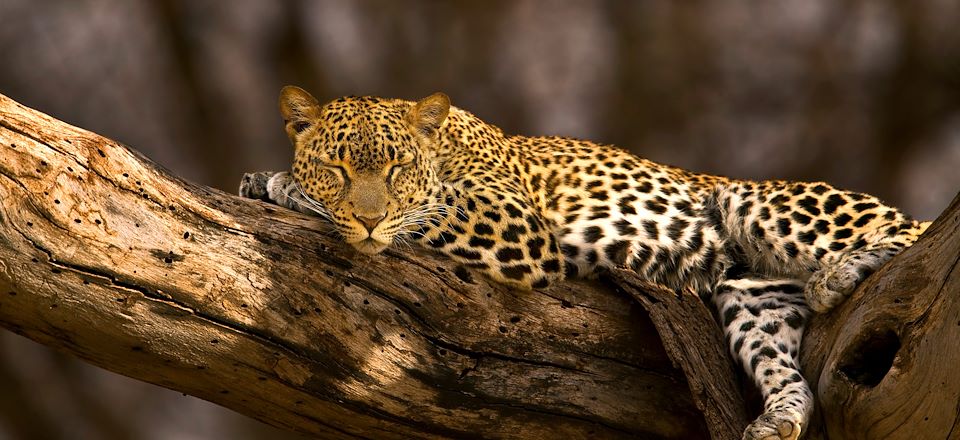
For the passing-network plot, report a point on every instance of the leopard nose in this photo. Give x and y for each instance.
(370, 222)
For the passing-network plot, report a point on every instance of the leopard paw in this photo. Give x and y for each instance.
(254, 185)
(829, 286)
(774, 425)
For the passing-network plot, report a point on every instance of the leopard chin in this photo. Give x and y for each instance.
(369, 246)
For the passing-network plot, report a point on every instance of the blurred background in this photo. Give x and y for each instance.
(864, 94)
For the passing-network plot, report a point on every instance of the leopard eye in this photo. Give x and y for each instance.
(395, 171)
(300, 126)
(338, 170)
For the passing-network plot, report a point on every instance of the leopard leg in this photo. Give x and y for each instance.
(254, 185)
(835, 280)
(763, 323)
(278, 188)
(795, 228)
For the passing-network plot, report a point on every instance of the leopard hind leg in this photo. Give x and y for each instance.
(763, 323)
(837, 279)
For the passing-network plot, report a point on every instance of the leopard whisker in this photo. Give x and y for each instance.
(318, 207)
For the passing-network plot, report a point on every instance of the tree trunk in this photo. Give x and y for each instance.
(106, 256)
(886, 363)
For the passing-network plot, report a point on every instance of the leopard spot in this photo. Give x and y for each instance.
(466, 254)
(508, 254)
(513, 232)
(592, 234)
(482, 229)
(616, 252)
(481, 242)
(550, 266)
(515, 272)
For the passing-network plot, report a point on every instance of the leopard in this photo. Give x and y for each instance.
(530, 211)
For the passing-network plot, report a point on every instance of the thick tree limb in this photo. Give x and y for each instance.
(106, 256)
(696, 344)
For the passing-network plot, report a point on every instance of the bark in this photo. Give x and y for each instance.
(106, 256)
(695, 343)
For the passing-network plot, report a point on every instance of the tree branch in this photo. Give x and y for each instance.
(695, 343)
(108, 257)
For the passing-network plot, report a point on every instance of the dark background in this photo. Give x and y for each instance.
(863, 94)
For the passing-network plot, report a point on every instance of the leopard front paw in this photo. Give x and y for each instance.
(829, 286)
(254, 185)
(774, 425)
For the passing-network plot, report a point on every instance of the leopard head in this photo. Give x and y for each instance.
(364, 163)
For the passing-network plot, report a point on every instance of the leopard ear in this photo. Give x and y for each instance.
(428, 114)
(300, 110)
